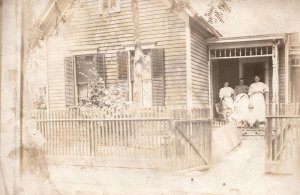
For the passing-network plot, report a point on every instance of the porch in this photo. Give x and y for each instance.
(266, 56)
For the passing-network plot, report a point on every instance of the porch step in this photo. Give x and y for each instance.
(251, 133)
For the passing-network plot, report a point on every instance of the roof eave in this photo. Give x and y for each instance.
(192, 13)
(265, 37)
(48, 20)
(204, 24)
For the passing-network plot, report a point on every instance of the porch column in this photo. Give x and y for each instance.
(275, 75)
(210, 95)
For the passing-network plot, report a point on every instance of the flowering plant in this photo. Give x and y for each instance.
(102, 97)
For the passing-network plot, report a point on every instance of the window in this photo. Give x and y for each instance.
(152, 76)
(107, 6)
(79, 71)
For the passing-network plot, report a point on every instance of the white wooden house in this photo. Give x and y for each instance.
(188, 63)
(189, 59)
(95, 32)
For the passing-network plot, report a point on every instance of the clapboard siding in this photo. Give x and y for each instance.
(56, 76)
(199, 68)
(85, 30)
(158, 25)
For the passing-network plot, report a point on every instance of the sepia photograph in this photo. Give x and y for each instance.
(150, 97)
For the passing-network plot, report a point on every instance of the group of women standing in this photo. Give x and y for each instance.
(244, 104)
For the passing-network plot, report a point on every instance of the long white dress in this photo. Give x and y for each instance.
(258, 113)
(241, 107)
(241, 103)
(226, 97)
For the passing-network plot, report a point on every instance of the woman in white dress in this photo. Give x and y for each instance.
(257, 104)
(225, 95)
(241, 102)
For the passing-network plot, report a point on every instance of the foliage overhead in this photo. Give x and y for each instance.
(179, 5)
(216, 9)
(214, 12)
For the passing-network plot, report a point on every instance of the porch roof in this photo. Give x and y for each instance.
(246, 41)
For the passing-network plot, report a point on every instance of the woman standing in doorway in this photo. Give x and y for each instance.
(257, 102)
(226, 98)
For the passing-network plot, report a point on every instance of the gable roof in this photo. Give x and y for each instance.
(52, 14)
(56, 8)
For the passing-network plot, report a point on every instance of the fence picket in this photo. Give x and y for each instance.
(150, 133)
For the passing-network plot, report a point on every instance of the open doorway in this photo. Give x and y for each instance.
(252, 69)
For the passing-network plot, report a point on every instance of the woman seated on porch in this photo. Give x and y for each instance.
(241, 103)
(225, 95)
(257, 106)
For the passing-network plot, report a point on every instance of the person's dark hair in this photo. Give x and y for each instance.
(256, 76)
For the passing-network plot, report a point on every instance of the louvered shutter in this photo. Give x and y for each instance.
(99, 60)
(122, 62)
(158, 85)
(69, 81)
(105, 4)
(113, 3)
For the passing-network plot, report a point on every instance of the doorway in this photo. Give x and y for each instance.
(252, 69)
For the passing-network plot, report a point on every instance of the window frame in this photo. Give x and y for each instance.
(153, 79)
(76, 83)
(110, 9)
(130, 49)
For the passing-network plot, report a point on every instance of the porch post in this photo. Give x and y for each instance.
(286, 68)
(275, 75)
(210, 102)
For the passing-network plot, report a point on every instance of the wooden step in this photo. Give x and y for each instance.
(251, 132)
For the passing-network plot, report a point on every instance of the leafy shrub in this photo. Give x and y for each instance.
(102, 97)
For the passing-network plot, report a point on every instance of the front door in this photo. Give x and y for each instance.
(250, 70)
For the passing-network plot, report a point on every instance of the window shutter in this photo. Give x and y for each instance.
(158, 85)
(113, 3)
(122, 62)
(105, 4)
(99, 60)
(69, 82)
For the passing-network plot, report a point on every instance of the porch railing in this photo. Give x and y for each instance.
(172, 135)
(283, 109)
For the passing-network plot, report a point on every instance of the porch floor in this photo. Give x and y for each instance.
(241, 172)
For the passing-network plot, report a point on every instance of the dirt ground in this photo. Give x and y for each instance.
(241, 172)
